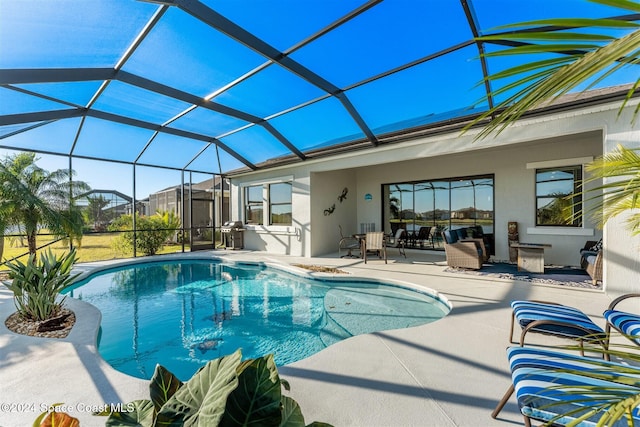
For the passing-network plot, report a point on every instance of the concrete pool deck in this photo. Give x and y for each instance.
(448, 373)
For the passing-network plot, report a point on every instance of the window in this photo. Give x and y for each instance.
(274, 198)
(280, 203)
(557, 200)
(253, 205)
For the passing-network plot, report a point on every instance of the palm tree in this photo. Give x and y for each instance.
(4, 223)
(95, 212)
(35, 197)
(7, 210)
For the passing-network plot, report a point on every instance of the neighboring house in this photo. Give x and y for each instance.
(515, 176)
(113, 205)
(210, 207)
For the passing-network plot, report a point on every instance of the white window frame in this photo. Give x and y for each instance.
(560, 230)
(266, 205)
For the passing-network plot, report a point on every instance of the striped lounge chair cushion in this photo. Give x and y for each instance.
(526, 312)
(536, 377)
(627, 323)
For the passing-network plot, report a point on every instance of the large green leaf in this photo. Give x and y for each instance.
(201, 401)
(140, 416)
(291, 413)
(257, 400)
(163, 385)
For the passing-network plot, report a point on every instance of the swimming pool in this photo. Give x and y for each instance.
(184, 313)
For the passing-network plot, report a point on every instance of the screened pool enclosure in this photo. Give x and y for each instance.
(162, 102)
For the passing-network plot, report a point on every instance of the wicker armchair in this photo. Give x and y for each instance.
(595, 269)
(463, 253)
(591, 260)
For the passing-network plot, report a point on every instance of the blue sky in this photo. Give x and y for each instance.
(184, 53)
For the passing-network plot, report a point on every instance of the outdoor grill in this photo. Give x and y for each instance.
(232, 234)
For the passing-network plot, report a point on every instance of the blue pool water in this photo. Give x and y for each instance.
(182, 314)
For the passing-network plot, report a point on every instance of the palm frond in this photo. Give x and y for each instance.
(620, 194)
(623, 4)
(585, 61)
(575, 22)
(542, 35)
(612, 396)
(527, 67)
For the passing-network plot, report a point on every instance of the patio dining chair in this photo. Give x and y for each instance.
(398, 240)
(349, 244)
(424, 236)
(375, 241)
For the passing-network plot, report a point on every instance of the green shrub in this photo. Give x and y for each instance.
(37, 283)
(172, 223)
(206, 234)
(149, 238)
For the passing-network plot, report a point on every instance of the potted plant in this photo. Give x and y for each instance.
(37, 286)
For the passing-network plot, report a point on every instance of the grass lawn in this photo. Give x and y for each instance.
(94, 247)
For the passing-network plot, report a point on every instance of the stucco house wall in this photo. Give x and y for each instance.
(621, 247)
(571, 136)
(514, 188)
(327, 187)
(278, 239)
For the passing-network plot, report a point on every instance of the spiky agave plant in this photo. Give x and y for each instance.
(37, 284)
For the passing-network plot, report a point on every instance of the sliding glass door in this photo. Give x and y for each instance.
(426, 208)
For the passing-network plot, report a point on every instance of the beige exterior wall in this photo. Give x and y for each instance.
(512, 157)
(327, 186)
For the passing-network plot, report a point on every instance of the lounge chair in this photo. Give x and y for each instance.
(628, 324)
(557, 320)
(375, 241)
(349, 244)
(556, 386)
